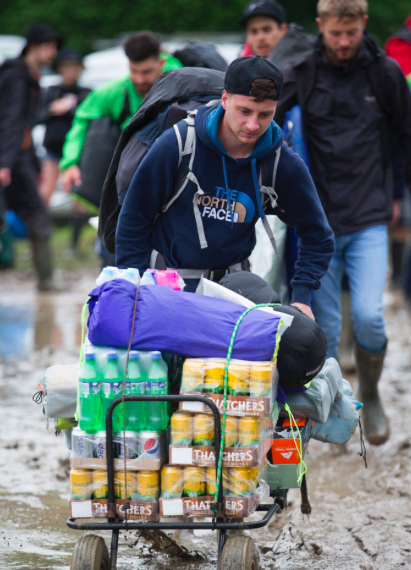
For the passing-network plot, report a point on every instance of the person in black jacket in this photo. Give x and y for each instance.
(354, 99)
(19, 98)
(57, 112)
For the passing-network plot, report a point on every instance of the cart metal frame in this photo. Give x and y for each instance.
(219, 523)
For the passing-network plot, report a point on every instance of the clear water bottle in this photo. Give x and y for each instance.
(157, 412)
(130, 274)
(112, 387)
(107, 274)
(90, 394)
(135, 385)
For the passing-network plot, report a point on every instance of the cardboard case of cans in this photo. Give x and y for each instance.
(89, 494)
(252, 386)
(247, 439)
(190, 491)
(144, 450)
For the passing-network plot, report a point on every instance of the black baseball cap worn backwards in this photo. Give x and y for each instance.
(269, 8)
(242, 72)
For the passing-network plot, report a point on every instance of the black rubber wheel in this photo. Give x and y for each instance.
(240, 553)
(90, 553)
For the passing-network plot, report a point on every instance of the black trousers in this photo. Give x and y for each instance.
(23, 197)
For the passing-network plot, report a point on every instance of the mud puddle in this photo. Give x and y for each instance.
(361, 519)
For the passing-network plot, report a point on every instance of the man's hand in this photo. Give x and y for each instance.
(71, 177)
(396, 213)
(5, 176)
(63, 105)
(306, 309)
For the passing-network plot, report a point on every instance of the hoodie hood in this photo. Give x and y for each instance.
(206, 124)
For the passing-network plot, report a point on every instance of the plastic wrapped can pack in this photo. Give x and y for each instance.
(89, 494)
(342, 420)
(190, 491)
(251, 385)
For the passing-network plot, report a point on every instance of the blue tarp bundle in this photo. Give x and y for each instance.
(180, 323)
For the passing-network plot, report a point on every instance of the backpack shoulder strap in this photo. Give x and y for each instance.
(380, 89)
(186, 139)
(126, 111)
(185, 174)
(305, 78)
(268, 177)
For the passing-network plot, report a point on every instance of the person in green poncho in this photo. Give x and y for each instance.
(147, 63)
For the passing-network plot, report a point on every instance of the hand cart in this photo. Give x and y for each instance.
(235, 552)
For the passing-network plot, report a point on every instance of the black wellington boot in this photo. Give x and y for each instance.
(369, 366)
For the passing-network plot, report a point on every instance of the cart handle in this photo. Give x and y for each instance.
(156, 398)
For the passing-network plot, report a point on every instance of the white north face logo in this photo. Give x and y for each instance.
(287, 455)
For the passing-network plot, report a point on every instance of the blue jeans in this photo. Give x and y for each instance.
(363, 255)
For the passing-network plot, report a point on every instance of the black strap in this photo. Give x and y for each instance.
(305, 79)
(125, 112)
(380, 90)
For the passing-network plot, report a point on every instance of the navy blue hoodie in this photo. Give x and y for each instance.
(229, 209)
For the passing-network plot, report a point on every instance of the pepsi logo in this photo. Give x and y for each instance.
(151, 446)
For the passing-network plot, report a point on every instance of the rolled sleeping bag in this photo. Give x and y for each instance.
(185, 324)
(303, 345)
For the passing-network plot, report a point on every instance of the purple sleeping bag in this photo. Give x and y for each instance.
(180, 323)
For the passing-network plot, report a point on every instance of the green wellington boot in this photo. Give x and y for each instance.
(43, 263)
(369, 366)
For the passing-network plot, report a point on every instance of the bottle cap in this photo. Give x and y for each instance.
(90, 355)
(134, 355)
(155, 355)
(112, 355)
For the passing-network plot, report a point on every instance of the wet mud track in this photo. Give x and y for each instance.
(361, 518)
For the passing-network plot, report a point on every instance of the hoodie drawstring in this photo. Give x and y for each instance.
(228, 190)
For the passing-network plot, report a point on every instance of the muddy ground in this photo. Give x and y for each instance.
(361, 518)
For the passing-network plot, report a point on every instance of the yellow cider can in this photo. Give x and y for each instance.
(100, 485)
(181, 425)
(261, 379)
(193, 375)
(80, 485)
(230, 431)
(120, 484)
(214, 377)
(241, 482)
(249, 432)
(194, 482)
(148, 486)
(238, 379)
(203, 430)
(172, 481)
(254, 474)
(212, 481)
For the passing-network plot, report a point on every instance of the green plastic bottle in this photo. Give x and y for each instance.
(90, 394)
(112, 387)
(157, 383)
(135, 385)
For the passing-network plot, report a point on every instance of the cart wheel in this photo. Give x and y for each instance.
(90, 553)
(240, 553)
